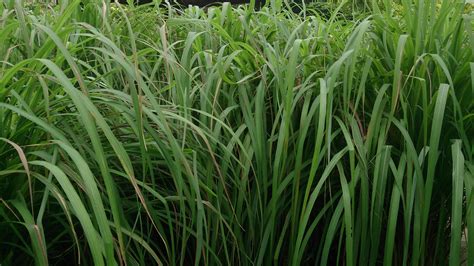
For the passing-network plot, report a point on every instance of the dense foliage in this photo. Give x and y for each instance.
(233, 136)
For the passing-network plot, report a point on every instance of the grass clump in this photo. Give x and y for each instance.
(156, 135)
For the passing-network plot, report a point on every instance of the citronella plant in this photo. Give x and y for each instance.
(229, 135)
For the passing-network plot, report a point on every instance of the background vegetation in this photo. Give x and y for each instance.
(233, 136)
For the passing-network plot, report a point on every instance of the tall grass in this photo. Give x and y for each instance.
(228, 136)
